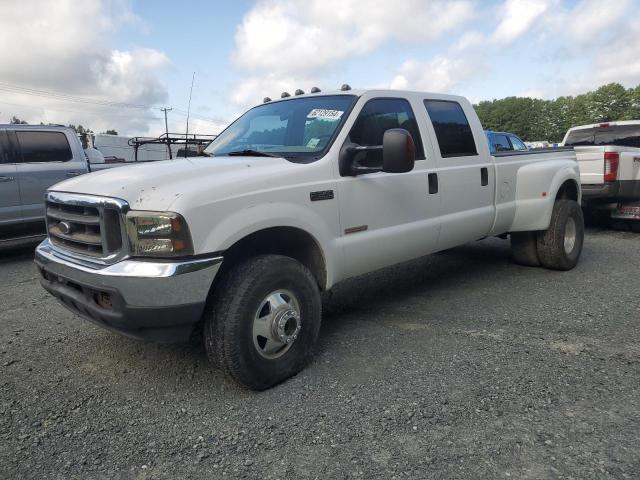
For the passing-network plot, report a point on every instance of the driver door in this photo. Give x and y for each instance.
(386, 218)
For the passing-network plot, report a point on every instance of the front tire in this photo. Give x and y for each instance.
(263, 321)
(560, 246)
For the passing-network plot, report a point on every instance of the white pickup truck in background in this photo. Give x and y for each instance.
(294, 196)
(609, 159)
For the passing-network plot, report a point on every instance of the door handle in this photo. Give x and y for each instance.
(73, 174)
(433, 183)
(7, 179)
(484, 176)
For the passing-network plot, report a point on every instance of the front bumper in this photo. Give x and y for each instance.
(148, 299)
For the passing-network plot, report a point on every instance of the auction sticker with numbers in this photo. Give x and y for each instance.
(325, 114)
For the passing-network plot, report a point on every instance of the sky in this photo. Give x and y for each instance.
(112, 64)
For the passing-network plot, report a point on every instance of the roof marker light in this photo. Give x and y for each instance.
(266, 100)
(315, 90)
(285, 95)
(299, 92)
(345, 87)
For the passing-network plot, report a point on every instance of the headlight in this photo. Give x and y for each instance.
(158, 234)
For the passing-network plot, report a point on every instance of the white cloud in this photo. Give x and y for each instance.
(519, 16)
(619, 61)
(289, 41)
(587, 20)
(439, 74)
(63, 47)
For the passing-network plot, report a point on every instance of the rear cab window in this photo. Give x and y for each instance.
(40, 146)
(606, 134)
(452, 128)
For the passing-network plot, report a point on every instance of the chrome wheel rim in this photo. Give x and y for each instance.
(570, 235)
(276, 324)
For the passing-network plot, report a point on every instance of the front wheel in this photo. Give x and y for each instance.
(263, 321)
(560, 246)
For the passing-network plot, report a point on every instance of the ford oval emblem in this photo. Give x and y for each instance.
(65, 227)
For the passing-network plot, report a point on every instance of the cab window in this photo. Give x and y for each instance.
(501, 143)
(375, 118)
(518, 145)
(40, 147)
(452, 128)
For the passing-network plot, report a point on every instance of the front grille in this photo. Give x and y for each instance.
(88, 228)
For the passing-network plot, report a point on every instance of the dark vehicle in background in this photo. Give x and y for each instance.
(504, 142)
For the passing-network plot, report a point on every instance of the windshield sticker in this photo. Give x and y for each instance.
(313, 143)
(325, 114)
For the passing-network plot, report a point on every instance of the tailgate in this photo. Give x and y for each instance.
(629, 168)
(591, 162)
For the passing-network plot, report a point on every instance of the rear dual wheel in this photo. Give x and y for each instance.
(559, 247)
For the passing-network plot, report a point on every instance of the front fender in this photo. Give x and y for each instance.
(240, 223)
(537, 187)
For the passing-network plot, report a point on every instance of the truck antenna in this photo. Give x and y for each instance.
(186, 135)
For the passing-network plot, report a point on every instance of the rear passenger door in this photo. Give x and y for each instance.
(10, 211)
(466, 178)
(45, 159)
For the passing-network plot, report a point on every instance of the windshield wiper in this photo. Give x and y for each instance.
(249, 153)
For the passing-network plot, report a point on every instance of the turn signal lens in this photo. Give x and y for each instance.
(158, 234)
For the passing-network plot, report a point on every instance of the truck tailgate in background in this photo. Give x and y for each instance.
(629, 168)
(591, 162)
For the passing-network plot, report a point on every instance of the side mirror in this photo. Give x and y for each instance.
(398, 151)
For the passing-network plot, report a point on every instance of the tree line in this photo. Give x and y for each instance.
(533, 119)
(78, 128)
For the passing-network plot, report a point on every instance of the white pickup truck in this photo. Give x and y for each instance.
(295, 196)
(609, 159)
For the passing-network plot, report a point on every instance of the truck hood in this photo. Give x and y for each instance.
(158, 185)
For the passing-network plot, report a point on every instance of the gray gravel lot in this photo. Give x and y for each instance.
(457, 365)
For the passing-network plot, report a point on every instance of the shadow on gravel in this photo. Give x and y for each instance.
(427, 275)
(17, 254)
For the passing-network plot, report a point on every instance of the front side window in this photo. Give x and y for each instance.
(299, 129)
(40, 147)
(452, 128)
(518, 145)
(375, 118)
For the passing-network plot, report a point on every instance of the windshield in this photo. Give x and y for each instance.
(618, 135)
(300, 129)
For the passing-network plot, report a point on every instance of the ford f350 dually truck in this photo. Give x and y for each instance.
(296, 195)
(609, 159)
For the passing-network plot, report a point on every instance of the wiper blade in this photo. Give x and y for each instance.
(249, 153)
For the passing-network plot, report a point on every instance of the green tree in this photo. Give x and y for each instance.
(608, 103)
(110, 132)
(535, 119)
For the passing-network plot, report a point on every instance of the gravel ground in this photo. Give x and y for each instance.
(458, 365)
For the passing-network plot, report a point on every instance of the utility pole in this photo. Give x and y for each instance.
(166, 129)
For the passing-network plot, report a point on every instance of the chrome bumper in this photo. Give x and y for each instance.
(134, 297)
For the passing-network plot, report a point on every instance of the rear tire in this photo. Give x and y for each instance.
(524, 249)
(560, 246)
(263, 294)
